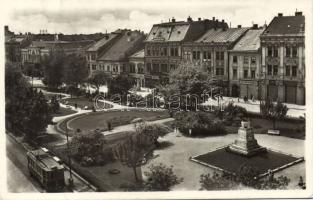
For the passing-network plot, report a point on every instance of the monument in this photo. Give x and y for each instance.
(246, 144)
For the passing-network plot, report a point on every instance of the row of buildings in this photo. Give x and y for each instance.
(263, 62)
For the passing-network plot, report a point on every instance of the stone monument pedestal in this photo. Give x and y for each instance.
(246, 144)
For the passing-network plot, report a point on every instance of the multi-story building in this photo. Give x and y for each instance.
(163, 46)
(111, 54)
(137, 68)
(245, 65)
(283, 66)
(210, 52)
(34, 53)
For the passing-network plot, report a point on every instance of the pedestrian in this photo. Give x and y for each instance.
(75, 105)
(252, 98)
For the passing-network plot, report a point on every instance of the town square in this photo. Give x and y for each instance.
(186, 102)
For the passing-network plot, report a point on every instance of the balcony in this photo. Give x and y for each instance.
(272, 60)
(291, 61)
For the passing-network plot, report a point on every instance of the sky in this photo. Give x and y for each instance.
(91, 16)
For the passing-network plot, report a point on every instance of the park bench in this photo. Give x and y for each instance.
(273, 132)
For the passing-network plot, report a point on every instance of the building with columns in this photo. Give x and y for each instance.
(283, 67)
(245, 65)
(137, 68)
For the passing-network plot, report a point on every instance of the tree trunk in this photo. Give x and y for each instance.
(274, 124)
(135, 173)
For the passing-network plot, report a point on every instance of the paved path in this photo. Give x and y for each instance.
(293, 111)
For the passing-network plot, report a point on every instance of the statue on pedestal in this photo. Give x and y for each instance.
(246, 144)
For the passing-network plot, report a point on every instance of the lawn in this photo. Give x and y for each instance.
(98, 120)
(231, 162)
(82, 102)
(63, 112)
(99, 175)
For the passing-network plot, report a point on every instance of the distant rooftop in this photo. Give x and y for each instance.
(138, 54)
(120, 50)
(63, 44)
(250, 41)
(222, 35)
(102, 42)
(286, 25)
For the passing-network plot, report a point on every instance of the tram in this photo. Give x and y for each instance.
(46, 169)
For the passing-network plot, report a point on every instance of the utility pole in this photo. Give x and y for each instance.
(70, 180)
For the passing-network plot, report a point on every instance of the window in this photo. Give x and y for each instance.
(275, 52)
(253, 60)
(252, 73)
(245, 60)
(163, 67)
(288, 52)
(148, 67)
(174, 51)
(148, 52)
(206, 55)
(108, 68)
(294, 71)
(275, 70)
(155, 67)
(219, 55)
(132, 68)
(196, 55)
(219, 71)
(245, 73)
(93, 56)
(235, 59)
(269, 52)
(294, 52)
(287, 70)
(94, 67)
(172, 67)
(234, 73)
(269, 70)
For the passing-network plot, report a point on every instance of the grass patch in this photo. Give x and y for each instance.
(63, 112)
(99, 120)
(83, 102)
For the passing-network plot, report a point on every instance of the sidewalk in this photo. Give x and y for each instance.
(294, 110)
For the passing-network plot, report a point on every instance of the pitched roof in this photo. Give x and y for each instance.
(222, 36)
(168, 32)
(138, 54)
(61, 44)
(102, 42)
(250, 41)
(285, 25)
(120, 50)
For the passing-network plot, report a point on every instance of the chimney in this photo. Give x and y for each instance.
(298, 13)
(199, 18)
(280, 14)
(213, 18)
(255, 26)
(239, 26)
(223, 21)
(173, 19)
(189, 19)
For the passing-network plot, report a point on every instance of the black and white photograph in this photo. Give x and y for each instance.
(156, 99)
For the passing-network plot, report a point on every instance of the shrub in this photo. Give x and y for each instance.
(247, 175)
(216, 182)
(160, 178)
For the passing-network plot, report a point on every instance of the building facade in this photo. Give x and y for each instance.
(163, 46)
(137, 68)
(245, 65)
(111, 54)
(283, 60)
(210, 52)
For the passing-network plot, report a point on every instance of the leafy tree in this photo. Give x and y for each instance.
(120, 85)
(137, 148)
(160, 178)
(53, 69)
(200, 123)
(273, 111)
(188, 79)
(99, 78)
(231, 113)
(54, 104)
(91, 148)
(26, 109)
(75, 70)
(247, 175)
(216, 182)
